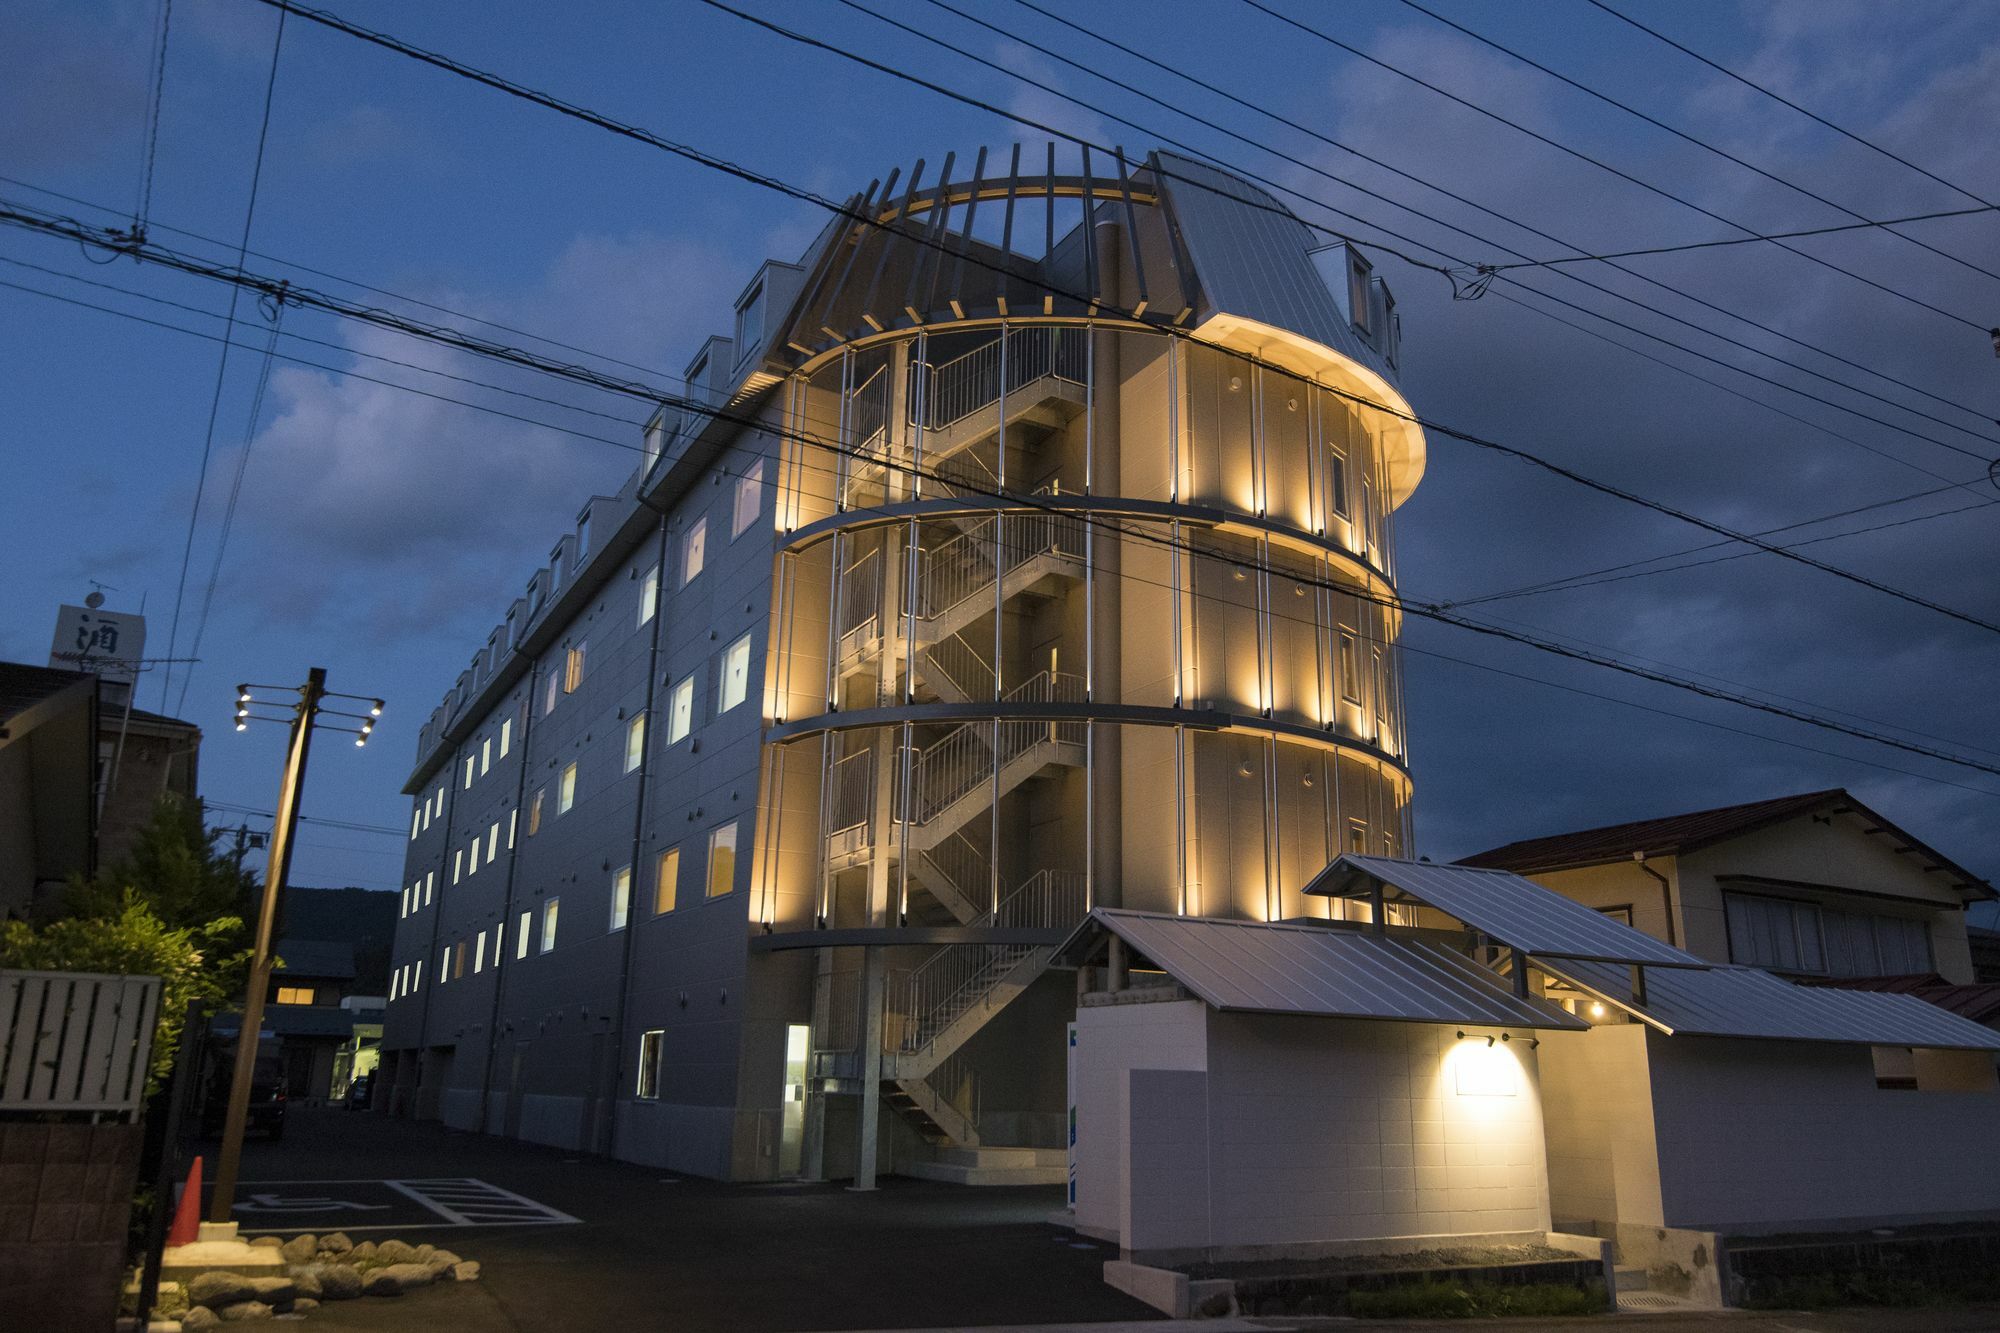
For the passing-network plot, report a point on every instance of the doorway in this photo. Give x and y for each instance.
(792, 1111)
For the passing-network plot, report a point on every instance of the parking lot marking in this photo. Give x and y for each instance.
(456, 1201)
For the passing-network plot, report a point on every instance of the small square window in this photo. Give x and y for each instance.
(649, 594)
(735, 675)
(295, 995)
(621, 897)
(694, 548)
(566, 793)
(680, 712)
(635, 741)
(749, 499)
(666, 880)
(650, 1044)
(722, 860)
(549, 909)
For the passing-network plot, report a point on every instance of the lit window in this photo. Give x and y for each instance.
(666, 880)
(635, 741)
(506, 736)
(549, 923)
(417, 977)
(1350, 670)
(621, 897)
(485, 756)
(521, 933)
(472, 858)
(295, 995)
(492, 842)
(440, 798)
(396, 983)
(735, 675)
(416, 824)
(693, 548)
(1357, 837)
(457, 864)
(566, 792)
(430, 883)
(749, 498)
(680, 712)
(513, 819)
(573, 669)
(535, 811)
(479, 953)
(406, 902)
(722, 860)
(649, 1063)
(444, 965)
(1336, 476)
(499, 932)
(649, 594)
(551, 694)
(468, 770)
(425, 812)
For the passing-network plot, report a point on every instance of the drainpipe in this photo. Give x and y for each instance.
(1666, 893)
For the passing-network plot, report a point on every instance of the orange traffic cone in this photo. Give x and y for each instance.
(187, 1216)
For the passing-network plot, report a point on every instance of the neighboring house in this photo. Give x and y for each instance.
(321, 1025)
(1814, 886)
(1050, 571)
(48, 766)
(142, 756)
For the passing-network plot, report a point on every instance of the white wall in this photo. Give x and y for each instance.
(1598, 1105)
(1766, 1133)
(1270, 1131)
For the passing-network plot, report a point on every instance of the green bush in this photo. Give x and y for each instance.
(1474, 1300)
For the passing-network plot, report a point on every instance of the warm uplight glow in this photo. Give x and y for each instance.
(1597, 1008)
(1482, 1068)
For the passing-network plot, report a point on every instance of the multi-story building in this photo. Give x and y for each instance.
(1027, 548)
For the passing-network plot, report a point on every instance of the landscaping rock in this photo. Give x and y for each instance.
(425, 1251)
(268, 1242)
(335, 1243)
(381, 1283)
(445, 1257)
(273, 1290)
(216, 1290)
(300, 1249)
(303, 1304)
(307, 1281)
(337, 1282)
(365, 1250)
(466, 1270)
(199, 1317)
(396, 1252)
(411, 1276)
(246, 1310)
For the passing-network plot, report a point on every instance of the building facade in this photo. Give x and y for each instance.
(1028, 548)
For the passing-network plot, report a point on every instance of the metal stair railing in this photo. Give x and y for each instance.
(961, 863)
(960, 664)
(953, 390)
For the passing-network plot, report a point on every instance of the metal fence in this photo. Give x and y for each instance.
(75, 1042)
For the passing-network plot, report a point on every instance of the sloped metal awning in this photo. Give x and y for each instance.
(1749, 1002)
(1256, 967)
(1503, 906)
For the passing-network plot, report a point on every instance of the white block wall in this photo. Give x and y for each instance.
(1112, 1041)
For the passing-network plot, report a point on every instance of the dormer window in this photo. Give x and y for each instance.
(697, 376)
(582, 536)
(1358, 273)
(750, 319)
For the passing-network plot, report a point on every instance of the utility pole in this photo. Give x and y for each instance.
(304, 719)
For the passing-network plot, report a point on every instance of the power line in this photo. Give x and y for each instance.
(1599, 163)
(1738, 240)
(1464, 265)
(1361, 595)
(156, 95)
(1785, 101)
(1703, 144)
(221, 372)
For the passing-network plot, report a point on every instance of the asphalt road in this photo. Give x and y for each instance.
(650, 1249)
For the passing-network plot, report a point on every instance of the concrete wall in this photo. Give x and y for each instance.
(1597, 1103)
(1243, 1133)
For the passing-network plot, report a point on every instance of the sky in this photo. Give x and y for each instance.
(381, 532)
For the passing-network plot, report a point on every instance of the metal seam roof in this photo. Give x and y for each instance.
(1737, 1001)
(1261, 967)
(1512, 910)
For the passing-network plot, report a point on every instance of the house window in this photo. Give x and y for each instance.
(417, 977)
(1357, 291)
(549, 923)
(1350, 670)
(424, 811)
(649, 1063)
(468, 770)
(478, 953)
(444, 965)
(635, 741)
(506, 736)
(666, 880)
(1622, 915)
(513, 819)
(749, 499)
(621, 897)
(457, 863)
(430, 883)
(750, 320)
(499, 931)
(735, 675)
(295, 995)
(680, 712)
(693, 548)
(522, 930)
(1357, 837)
(582, 537)
(1381, 689)
(655, 441)
(573, 669)
(1777, 933)
(535, 811)
(722, 860)
(472, 858)
(649, 594)
(551, 694)
(485, 756)
(566, 792)
(492, 842)
(416, 824)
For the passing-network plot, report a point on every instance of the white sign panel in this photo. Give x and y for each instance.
(109, 643)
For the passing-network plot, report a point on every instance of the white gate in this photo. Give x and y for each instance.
(75, 1041)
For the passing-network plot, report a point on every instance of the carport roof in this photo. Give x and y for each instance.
(1328, 971)
(1504, 906)
(1749, 1002)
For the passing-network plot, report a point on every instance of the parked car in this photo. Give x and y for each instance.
(359, 1092)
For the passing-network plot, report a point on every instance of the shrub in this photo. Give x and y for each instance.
(1475, 1300)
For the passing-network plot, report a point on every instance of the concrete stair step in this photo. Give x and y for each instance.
(992, 1166)
(1631, 1279)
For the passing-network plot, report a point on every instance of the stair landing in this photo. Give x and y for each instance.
(992, 1166)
